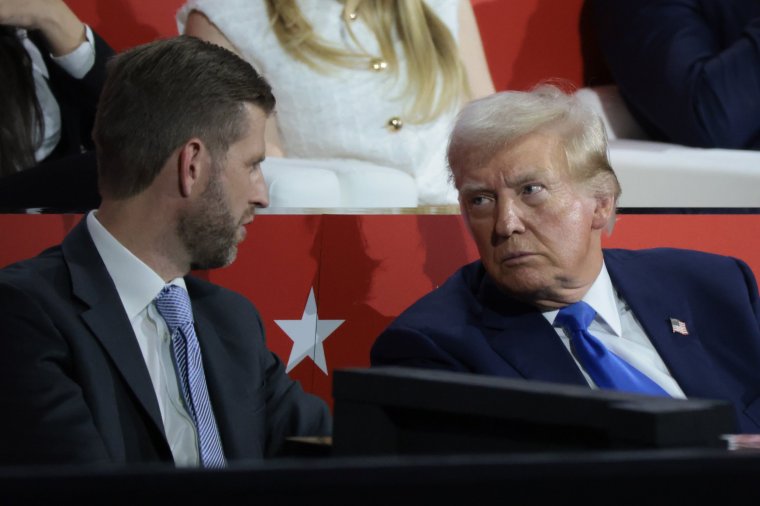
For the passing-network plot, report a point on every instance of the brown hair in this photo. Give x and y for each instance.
(159, 95)
(21, 122)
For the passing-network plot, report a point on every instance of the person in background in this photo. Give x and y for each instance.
(110, 352)
(53, 70)
(689, 70)
(545, 302)
(360, 83)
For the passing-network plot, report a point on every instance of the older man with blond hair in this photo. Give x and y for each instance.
(546, 301)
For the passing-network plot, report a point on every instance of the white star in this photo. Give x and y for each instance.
(307, 335)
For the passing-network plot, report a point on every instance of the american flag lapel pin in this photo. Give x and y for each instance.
(678, 327)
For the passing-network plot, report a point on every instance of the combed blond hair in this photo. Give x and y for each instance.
(487, 125)
(436, 75)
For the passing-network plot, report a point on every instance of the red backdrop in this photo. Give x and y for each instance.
(366, 269)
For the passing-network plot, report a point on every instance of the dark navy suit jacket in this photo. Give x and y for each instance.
(468, 325)
(74, 387)
(689, 70)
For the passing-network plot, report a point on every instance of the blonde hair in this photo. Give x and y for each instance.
(436, 76)
(485, 126)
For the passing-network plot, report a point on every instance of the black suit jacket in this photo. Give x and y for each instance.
(74, 386)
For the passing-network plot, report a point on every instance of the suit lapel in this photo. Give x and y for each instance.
(684, 355)
(106, 319)
(524, 338)
(228, 390)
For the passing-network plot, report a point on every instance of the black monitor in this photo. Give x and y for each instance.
(395, 410)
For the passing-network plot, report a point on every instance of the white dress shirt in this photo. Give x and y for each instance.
(76, 63)
(137, 285)
(618, 329)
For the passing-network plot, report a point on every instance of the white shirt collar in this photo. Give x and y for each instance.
(136, 283)
(601, 296)
(34, 54)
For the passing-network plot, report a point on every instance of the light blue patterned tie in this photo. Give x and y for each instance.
(173, 303)
(605, 368)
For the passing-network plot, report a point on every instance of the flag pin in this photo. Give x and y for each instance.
(678, 327)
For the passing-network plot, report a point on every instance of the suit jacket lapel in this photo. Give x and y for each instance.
(684, 355)
(230, 393)
(105, 317)
(524, 338)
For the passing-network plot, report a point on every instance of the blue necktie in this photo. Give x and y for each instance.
(173, 303)
(605, 368)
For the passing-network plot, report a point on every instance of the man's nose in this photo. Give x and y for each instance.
(509, 219)
(260, 192)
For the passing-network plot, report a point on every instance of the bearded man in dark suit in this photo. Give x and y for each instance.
(90, 368)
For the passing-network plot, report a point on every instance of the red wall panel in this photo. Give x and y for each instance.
(127, 23)
(527, 41)
(365, 269)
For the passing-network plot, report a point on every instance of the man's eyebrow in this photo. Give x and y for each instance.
(525, 177)
(474, 188)
(528, 176)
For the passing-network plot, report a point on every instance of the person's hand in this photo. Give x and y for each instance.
(60, 26)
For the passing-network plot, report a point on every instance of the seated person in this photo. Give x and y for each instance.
(53, 67)
(109, 351)
(353, 95)
(688, 70)
(546, 302)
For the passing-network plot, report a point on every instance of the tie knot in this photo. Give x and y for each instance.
(173, 303)
(576, 316)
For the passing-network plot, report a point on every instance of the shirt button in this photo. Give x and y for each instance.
(395, 124)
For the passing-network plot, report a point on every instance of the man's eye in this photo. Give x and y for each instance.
(532, 189)
(480, 200)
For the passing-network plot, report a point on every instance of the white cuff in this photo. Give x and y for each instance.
(78, 62)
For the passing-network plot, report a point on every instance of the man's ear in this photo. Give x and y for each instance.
(603, 211)
(193, 159)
